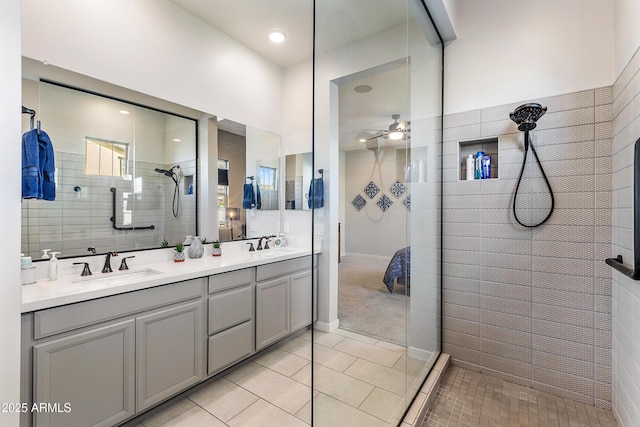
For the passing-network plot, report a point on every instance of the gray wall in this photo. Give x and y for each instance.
(533, 305)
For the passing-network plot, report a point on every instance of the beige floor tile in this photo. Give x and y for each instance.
(303, 376)
(223, 399)
(391, 346)
(382, 404)
(301, 349)
(340, 386)
(194, 417)
(278, 389)
(368, 352)
(304, 414)
(282, 361)
(162, 415)
(242, 371)
(291, 343)
(380, 376)
(327, 339)
(355, 336)
(331, 412)
(336, 360)
(263, 414)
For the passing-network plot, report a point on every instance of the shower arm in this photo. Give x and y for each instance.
(632, 272)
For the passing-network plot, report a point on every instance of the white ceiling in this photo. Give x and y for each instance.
(250, 21)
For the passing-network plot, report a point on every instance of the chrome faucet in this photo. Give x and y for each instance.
(107, 262)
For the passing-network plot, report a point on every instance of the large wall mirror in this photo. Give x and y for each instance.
(125, 174)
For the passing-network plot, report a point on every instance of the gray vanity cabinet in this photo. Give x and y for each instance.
(300, 292)
(92, 372)
(283, 299)
(272, 311)
(169, 353)
(111, 358)
(231, 318)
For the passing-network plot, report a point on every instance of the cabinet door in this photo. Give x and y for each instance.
(301, 313)
(272, 311)
(169, 352)
(87, 379)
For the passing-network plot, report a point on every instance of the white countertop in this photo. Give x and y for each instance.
(74, 288)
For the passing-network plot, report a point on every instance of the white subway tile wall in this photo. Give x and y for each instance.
(79, 219)
(532, 305)
(625, 319)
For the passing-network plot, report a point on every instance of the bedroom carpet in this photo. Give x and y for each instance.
(365, 305)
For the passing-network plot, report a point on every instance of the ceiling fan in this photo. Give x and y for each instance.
(397, 130)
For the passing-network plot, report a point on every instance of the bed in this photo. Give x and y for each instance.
(399, 269)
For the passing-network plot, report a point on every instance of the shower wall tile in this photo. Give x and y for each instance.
(541, 315)
(625, 306)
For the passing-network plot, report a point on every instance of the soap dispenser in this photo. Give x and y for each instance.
(53, 266)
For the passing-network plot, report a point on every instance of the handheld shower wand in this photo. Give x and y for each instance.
(174, 174)
(526, 117)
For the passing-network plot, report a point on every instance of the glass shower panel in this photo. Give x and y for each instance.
(377, 129)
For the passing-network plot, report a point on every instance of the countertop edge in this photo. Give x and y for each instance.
(46, 294)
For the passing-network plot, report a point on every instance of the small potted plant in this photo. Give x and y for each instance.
(178, 254)
(164, 244)
(217, 248)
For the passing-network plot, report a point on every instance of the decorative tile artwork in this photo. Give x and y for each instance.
(407, 202)
(371, 189)
(384, 203)
(358, 202)
(398, 189)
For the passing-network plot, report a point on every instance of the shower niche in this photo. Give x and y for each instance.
(490, 148)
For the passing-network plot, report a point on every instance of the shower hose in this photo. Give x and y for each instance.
(528, 145)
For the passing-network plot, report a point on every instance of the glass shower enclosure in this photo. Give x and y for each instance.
(377, 137)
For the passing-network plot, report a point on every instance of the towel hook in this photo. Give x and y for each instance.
(249, 177)
(321, 172)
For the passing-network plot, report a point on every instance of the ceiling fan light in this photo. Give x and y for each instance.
(396, 135)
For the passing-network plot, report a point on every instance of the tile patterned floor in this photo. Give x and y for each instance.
(359, 381)
(467, 398)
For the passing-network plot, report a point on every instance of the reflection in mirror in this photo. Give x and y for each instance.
(125, 174)
(232, 147)
(267, 184)
(298, 176)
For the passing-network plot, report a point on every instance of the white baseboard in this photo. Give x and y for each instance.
(327, 327)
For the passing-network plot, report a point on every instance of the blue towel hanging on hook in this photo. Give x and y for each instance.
(248, 197)
(38, 166)
(316, 194)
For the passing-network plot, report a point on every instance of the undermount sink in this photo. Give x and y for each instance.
(118, 276)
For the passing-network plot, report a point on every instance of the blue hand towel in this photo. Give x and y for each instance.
(316, 193)
(258, 198)
(31, 173)
(248, 198)
(47, 167)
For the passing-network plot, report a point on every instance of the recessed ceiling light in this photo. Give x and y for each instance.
(363, 88)
(125, 112)
(176, 140)
(277, 36)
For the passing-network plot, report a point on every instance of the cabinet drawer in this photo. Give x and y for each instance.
(282, 268)
(230, 346)
(230, 308)
(232, 279)
(65, 318)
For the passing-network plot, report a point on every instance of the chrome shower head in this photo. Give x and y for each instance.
(526, 115)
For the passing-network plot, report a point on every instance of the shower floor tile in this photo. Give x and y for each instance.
(466, 398)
